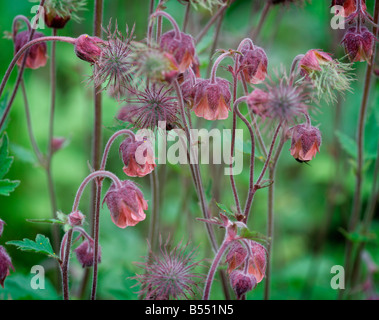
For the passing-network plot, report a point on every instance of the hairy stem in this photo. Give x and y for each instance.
(357, 201)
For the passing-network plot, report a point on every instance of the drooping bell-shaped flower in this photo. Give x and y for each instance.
(85, 253)
(5, 265)
(306, 142)
(126, 204)
(137, 156)
(37, 56)
(181, 46)
(253, 61)
(212, 99)
(359, 44)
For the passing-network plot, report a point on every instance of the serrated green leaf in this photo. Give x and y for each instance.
(40, 245)
(225, 210)
(253, 235)
(7, 186)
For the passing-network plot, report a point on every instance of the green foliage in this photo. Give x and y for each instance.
(6, 186)
(40, 245)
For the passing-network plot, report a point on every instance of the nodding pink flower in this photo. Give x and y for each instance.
(89, 48)
(306, 142)
(253, 62)
(238, 256)
(76, 219)
(138, 156)
(313, 60)
(181, 47)
(242, 282)
(126, 204)
(37, 56)
(349, 6)
(2, 223)
(5, 265)
(359, 44)
(85, 253)
(256, 100)
(212, 100)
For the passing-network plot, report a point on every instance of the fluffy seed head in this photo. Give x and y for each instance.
(150, 106)
(170, 274)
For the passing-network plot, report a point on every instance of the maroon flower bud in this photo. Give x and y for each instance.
(5, 265)
(138, 157)
(253, 62)
(85, 253)
(126, 204)
(359, 44)
(55, 20)
(37, 56)
(88, 48)
(306, 142)
(76, 219)
(57, 144)
(242, 282)
(181, 47)
(212, 100)
(2, 223)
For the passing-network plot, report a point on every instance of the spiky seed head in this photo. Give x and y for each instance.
(170, 274)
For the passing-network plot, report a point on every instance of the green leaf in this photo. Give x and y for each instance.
(5, 160)
(225, 210)
(51, 221)
(356, 237)
(40, 245)
(7, 186)
(347, 144)
(254, 235)
(23, 154)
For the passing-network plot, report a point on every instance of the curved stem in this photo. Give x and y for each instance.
(19, 77)
(110, 142)
(65, 265)
(215, 66)
(14, 25)
(93, 175)
(174, 24)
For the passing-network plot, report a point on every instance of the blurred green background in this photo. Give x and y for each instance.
(306, 196)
